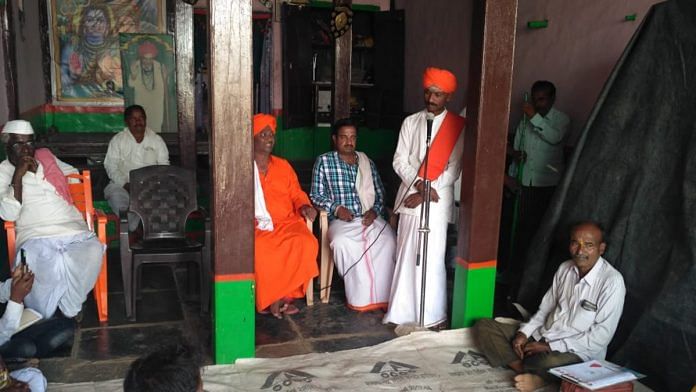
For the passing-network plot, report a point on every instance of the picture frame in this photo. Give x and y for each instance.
(85, 52)
(149, 77)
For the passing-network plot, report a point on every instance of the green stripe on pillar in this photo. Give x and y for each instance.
(234, 315)
(474, 290)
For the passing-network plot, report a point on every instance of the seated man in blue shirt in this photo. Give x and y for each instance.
(345, 183)
(576, 319)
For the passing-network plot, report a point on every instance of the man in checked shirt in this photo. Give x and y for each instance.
(345, 183)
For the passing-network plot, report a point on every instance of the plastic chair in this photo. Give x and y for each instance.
(163, 197)
(80, 186)
(327, 261)
(310, 287)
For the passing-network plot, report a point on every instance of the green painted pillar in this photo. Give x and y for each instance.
(234, 318)
(474, 289)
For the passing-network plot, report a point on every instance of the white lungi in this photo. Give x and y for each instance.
(65, 270)
(119, 199)
(367, 279)
(404, 306)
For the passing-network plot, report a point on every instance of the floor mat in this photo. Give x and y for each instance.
(423, 361)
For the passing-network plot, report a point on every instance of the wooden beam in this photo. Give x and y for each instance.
(483, 162)
(343, 50)
(185, 100)
(231, 86)
(8, 48)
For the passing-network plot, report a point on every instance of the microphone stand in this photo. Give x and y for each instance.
(424, 231)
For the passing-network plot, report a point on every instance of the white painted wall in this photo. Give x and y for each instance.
(577, 51)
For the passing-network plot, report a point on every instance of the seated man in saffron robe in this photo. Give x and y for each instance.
(285, 254)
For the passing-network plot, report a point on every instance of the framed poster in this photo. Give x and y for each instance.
(149, 78)
(86, 66)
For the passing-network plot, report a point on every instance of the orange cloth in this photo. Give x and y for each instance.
(285, 258)
(262, 121)
(442, 146)
(440, 78)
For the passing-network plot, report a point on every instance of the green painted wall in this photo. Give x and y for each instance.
(473, 295)
(233, 321)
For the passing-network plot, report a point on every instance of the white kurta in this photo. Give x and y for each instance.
(125, 154)
(63, 253)
(367, 274)
(404, 304)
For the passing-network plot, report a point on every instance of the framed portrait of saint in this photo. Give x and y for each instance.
(149, 78)
(86, 61)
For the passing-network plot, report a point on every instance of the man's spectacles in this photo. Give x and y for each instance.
(17, 146)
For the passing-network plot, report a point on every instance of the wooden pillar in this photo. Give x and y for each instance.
(185, 101)
(231, 153)
(483, 163)
(342, 60)
(8, 48)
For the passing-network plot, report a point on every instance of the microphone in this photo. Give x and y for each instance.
(429, 120)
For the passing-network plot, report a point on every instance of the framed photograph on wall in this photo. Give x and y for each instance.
(149, 77)
(86, 61)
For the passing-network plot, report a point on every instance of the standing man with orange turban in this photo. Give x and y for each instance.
(444, 165)
(285, 251)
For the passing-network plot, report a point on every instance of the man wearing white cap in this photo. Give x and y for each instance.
(63, 253)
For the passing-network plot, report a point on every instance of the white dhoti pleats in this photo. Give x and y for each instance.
(367, 274)
(404, 303)
(65, 270)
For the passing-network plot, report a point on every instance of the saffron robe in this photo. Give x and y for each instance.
(285, 259)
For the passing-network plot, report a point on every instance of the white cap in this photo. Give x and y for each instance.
(18, 127)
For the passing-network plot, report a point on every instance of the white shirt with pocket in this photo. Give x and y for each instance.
(580, 315)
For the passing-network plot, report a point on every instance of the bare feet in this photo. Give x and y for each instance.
(528, 382)
(277, 308)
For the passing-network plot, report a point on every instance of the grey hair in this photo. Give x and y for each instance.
(4, 138)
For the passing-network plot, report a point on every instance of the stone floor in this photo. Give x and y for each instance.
(166, 313)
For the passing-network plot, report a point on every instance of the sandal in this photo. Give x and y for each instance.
(291, 309)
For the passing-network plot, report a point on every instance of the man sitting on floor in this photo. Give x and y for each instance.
(285, 251)
(64, 254)
(576, 319)
(38, 340)
(135, 147)
(345, 183)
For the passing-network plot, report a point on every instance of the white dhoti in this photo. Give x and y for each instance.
(368, 278)
(404, 304)
(119, 199)
(65, 270)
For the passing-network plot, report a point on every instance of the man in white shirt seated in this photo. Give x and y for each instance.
(38, 340)
(135, 147)
(63, 253)
(575, 322)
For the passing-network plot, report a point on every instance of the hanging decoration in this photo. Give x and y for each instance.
(341, 19)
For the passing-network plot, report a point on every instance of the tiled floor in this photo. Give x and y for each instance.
(167, 314)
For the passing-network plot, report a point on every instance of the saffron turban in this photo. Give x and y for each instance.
(18, 127)
(261, 121)
(440, 78)
(147, 49)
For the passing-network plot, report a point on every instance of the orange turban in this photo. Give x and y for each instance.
(147, 48)
(262, 121)
(441, 78)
